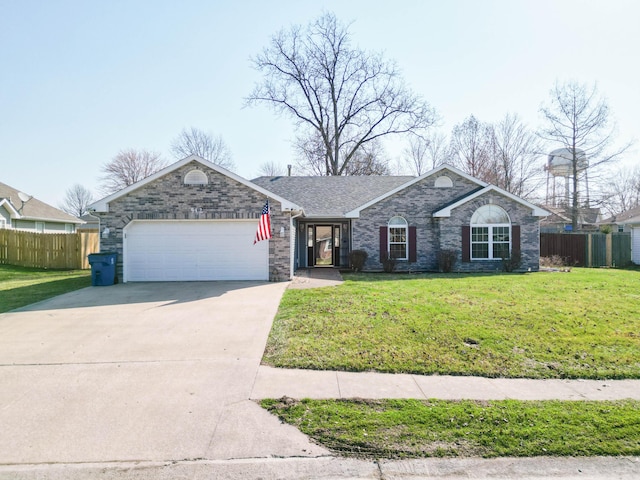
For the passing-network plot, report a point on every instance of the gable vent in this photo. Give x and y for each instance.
(196, 177)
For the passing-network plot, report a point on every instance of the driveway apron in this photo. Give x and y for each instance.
(140, 372)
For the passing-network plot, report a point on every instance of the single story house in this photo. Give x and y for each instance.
(194, 220)
(19, 211)
(629, 221)
(559, 220)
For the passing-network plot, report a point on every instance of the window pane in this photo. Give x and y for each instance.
(480, 234)
(397, 234)
(397, 250)
(500, 250)
(488, 214)
(500, 234)
(480, 250)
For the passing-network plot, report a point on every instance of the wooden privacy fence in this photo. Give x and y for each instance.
(588, 249)
(47, 250)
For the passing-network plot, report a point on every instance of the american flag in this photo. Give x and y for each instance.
(264, 226)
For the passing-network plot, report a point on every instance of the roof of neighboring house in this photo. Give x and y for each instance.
(33, 209)
(332, 196)
(629, 216)
(586, 215)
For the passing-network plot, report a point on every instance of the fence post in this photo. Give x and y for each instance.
(609, 250)
(589, 251)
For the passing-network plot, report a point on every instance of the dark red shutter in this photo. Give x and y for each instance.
(466, 243)
(515, 239)
(413, 249)
(383, 243)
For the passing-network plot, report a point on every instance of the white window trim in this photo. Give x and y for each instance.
(39, 227)
(406, 237)
(490, 241)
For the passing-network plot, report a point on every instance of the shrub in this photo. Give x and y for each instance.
(389, 264)
(511, 263)
(357, 259)
(446, 260)
(555, 262)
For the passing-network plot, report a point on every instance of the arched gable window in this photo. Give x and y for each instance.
(490, 233)
(398, 238)
(196, 177)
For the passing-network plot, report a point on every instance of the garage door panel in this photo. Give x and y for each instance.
(194, 250)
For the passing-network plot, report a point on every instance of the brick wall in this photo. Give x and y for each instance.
(223, 198)
(417, 204)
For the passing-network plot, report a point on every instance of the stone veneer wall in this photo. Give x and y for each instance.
(417, 204)
(223, 198)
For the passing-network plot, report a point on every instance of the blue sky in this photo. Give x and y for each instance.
(81, 80)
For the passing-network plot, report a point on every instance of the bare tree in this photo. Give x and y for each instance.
(311, 153)
(577, 119)
(128, 167)
(344, 95)
(193, 141)
(621, 192)
(470, 149)
(77, 200)
(271, 169)
(426, 153)
(514, 155)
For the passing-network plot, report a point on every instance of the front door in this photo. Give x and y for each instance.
(323, 245)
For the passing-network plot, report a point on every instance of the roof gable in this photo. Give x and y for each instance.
(446, 211)
(103, 204)
(438, 170)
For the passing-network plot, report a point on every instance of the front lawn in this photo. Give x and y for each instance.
(581, 324)
(465, 428)
(20, 286)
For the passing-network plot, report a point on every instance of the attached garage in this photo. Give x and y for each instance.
(193, 250)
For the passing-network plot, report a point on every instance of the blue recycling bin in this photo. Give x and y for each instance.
(103, 268)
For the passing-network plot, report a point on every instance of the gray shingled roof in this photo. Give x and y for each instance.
(630, 214)
(330, 196)
(35, 209)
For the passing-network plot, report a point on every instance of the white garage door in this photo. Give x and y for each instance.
(194, 250)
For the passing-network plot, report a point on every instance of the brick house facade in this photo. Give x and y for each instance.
(316, 221)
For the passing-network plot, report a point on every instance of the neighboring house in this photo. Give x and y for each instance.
(91, 223)
(194, 220)
(629, 221)
(24, 212)
(559, 220)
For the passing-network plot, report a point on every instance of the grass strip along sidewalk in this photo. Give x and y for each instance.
(466, 428)
(20, 286)
(579, 324)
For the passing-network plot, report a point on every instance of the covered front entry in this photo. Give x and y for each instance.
(324, 244)
(185, 250)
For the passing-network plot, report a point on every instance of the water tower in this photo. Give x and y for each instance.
(559, 169)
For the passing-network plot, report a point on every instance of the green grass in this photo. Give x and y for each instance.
(20, 286)
(581, 324)
(465, 428)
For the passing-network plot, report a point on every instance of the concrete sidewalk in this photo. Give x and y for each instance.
(276, 382)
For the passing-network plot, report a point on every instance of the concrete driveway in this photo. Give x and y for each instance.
(140, 372)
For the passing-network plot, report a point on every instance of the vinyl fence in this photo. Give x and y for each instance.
(47, 250)
(588, 249)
